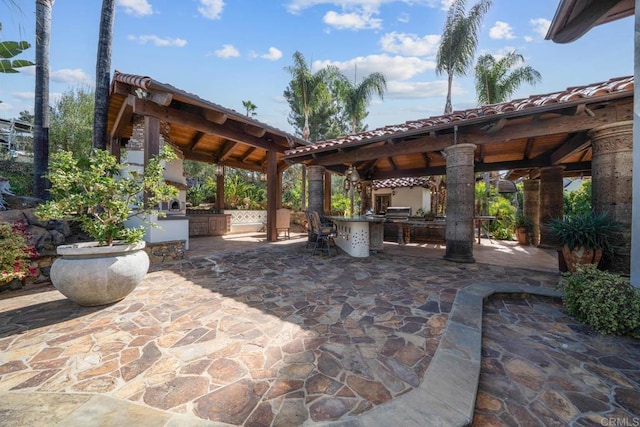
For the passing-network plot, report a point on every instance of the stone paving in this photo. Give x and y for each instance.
(269, 336)
(542, 368)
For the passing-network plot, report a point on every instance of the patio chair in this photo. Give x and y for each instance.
(283, 221)
(323, 233)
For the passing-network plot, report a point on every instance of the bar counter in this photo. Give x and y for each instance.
(359, 235)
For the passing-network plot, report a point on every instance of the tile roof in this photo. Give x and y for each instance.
(400, 182)
(620, 86)
(148, 83)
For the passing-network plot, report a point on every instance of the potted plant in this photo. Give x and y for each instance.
(585, 238)
(101, 194)
(524, 228)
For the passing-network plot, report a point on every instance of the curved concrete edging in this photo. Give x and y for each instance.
(447, 394)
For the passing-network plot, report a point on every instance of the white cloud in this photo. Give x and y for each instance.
(296, 6)
(355, 14)
(24, 95)
(446, 4)
(407, 90)
(528, 39)
(227, 51)
(136, 7)
(501, 30)
(69, 76)
(352, 21)
(273, 55)
(158, 41)
(410, 44)
(540, 26)
(211, 9)
(404, 18)
(393, 67)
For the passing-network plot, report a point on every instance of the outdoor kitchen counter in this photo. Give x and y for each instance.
(358, 235)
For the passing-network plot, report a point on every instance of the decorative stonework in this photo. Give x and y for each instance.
(612, 176)
(460, 202)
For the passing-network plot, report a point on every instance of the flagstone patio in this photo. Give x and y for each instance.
(243, 332)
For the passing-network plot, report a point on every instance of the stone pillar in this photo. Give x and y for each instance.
(316, 188)
(551, 201)
(460, 203)
(531, 207)
(611, 187)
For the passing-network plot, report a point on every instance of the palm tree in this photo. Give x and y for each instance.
(459, 42)
(250, 107)
(496, 81)
(41, 106)
(103, 74)
(308, 92)
(357, 97)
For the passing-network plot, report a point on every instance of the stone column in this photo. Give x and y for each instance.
(611, 187)
(460, 203)
(551, 189)
(315, 175)
(531, 207)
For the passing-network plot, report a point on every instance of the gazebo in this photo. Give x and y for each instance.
(582, 130)
(145, 113)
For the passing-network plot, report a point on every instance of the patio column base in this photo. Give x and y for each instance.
(460, 203)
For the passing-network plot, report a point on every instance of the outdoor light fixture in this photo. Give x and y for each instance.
(219, 170)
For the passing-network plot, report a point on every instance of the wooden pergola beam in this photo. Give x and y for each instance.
(199, 123)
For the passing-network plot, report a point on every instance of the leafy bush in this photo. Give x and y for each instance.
(20, 176)
(16, 254)
(605, 301)
(502, 227)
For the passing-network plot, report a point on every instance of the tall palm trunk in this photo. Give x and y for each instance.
(103, 74)
(41, 106)
(448, 108)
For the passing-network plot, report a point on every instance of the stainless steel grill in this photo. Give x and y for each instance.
(397, 214)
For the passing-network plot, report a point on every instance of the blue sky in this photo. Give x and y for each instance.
(229, 51)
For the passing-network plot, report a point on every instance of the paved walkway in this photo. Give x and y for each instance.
(257, 335)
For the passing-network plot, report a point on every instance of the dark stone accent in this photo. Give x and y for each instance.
(459, 251)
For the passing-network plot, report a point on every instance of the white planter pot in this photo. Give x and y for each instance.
(97, 275)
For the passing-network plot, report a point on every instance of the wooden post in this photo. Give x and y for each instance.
(272, 195)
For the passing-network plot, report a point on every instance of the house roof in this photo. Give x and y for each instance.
(574, 18)
(522, 135)
(203, 130)
(401, 183)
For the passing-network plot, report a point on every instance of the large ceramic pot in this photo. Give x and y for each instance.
(97, 275)
(579, 256)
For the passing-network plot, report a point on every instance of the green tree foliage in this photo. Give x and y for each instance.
(311, 98)
(497, 80)
(459, 42)
(25, 116)
(578, 202)
(8, 51)
(505, 213)
(250, 108)
(355, 97)
(326, 104)
(71, 124)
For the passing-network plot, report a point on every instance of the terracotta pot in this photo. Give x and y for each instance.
(97, 275)
(522, 236)
(580, 256)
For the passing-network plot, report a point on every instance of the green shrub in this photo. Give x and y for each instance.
(605, 301)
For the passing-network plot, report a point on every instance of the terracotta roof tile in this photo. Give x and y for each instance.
(400, 182)
(617, 85)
